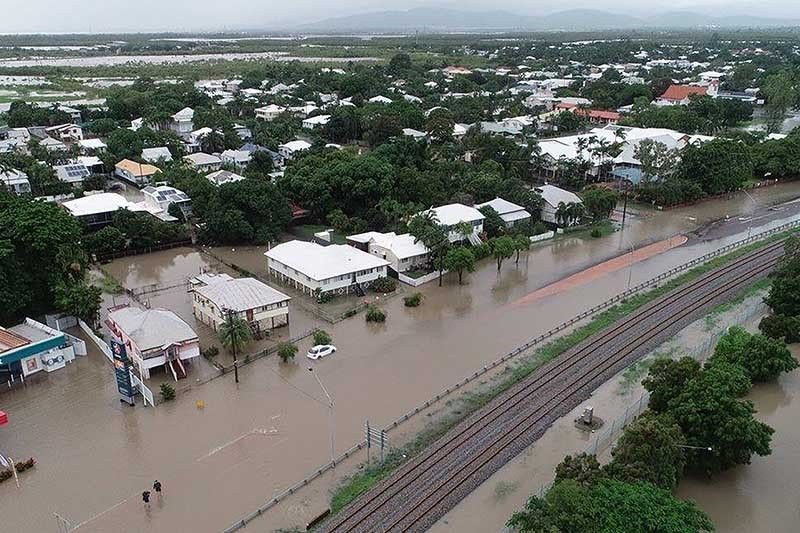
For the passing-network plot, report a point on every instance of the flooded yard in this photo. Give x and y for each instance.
(253, 439)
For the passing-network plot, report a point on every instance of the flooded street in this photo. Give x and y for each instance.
(764, 495)
(219, 463)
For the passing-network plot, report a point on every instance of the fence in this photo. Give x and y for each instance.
(139, 251)
(543, 236)
(602, 439)
(101, 344)
(416, 282)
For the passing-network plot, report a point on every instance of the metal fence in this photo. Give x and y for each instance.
(140, 251)
(605, 437)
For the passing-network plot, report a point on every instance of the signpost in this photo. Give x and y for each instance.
(122, 371)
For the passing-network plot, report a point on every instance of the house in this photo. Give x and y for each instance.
(315, 269)
(316, 121)
(235, 158)
(73, 172)
(451, 215)
(380, 100)
(65, 132)
(203, 162)
(159, 154)
(221, 177)
(52, 145)
(269, 113)
(31, 347)
(243, 132)
(74, 114)
(216, 295)
(161, 197)
(290, 149)
(404, 252)
(183, 122)
(136, 173)
(304, 110)
(511, 213)
(593, 116)
(414, 134)
(552, 196)
(15, 181)
(92, 146)
(154, 338)
(277, 159)
(97, 210)
(680, 94)
(453, 71)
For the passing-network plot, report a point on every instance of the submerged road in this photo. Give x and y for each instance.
(429, 485)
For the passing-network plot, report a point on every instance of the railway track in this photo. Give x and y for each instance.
(427, 486)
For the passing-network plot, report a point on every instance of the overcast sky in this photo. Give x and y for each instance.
(21, 16)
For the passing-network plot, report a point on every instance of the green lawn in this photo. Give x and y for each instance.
(306, 232)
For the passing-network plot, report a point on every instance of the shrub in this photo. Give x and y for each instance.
(539, 228)
(167, 392)
(325, 297)
(414, 300)
(384, 285)
(286, 351)
(321, 337)
(481, 251)
(211, 352)
(596, 233)
(375, 314)
(20, 466)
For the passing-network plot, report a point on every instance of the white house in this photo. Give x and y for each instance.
(414, 134)
(203, 162)
(310, 267)
(511, 213)
(153, 338)
(270, 112)
(450, 215)
(221, 177)
(552, 197)
(288, 150)
(162, 196)
(15, 181)
(73, 172)
(235, 158)
(74, 114)
(216, 295)
(52, 145)
(92, 145)
(97, 210)
(66, 132)
(316, 121)
(159, 154)
(183, 122)
(380, 100)
(403, 252)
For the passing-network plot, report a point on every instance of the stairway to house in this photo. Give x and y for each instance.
(474, 239)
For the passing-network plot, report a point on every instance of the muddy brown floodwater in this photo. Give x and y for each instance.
(765, 495)
(217, 464)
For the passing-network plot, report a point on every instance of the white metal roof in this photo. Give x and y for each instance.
(296, 146)
(323, 262)
(452, 214)
(503, 207)
(95, 144)
(221, 177)
(98, 203)
(241, 294)
(402, 246)
(554, 195)
(152, 328)
(202, 158)
(153, 155)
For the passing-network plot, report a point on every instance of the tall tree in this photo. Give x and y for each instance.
(459, 259)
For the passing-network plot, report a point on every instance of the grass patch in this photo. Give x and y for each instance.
(108, 284)
(593, 231)
(471, 401)
(306, 232)
(503, 489)
(712, 318)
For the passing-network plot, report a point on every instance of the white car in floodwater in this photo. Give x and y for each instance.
(321, 350)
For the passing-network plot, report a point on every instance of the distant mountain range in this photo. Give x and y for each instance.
(443, 19)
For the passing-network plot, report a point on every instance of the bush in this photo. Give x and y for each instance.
(539, 228)
(211, 352)
(375, 314)
(325, 297)
(596, 233)
(21, 467)
(286, 351)
(481, 251)
(167, 392)
(384, 285)
(321, 337)
(414, 300)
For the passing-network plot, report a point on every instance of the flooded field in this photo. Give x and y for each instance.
(252, 440)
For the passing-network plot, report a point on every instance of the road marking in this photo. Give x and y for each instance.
(254, 431)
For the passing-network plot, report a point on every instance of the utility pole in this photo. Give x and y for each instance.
(229, 313)
(330, 413)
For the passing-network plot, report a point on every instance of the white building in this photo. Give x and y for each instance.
(552, 196)
(153, 338)
(451, 215)
(136, 173)
(183, 122)
(380, 100)
(159, 154)
(52, 145)
(97, 210)
(203, 162)
(235, 158)
(15, 181)
(270, 112)
(311, 268)
(221, 177)
(73, 172)
(66, 132)
(92, 145)
(162, 196)
(511, 213)
(216, 295)
(316, 121)
(288, 150)
(403, 252)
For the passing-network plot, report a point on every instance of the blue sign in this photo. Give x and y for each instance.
(122, 371)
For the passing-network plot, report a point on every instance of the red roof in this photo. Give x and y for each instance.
(598, 114)
(678, 93)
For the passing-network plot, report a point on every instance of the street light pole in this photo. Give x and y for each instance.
(630, 262)
(331, 421)
(755, 205)
(233, 348)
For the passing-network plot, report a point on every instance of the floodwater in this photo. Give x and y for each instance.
(764, 495)
(168, 59)
(250, 441)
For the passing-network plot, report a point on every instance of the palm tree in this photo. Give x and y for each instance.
(561, 214)
(235, 335)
